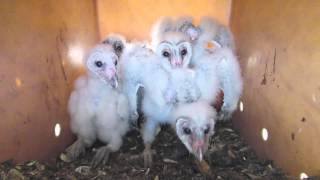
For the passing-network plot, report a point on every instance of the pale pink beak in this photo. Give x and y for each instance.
(176, 63)
(198, 148)
(112, 76)
(110, 73)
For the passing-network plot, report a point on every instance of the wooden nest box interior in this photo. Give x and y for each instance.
(43, 44)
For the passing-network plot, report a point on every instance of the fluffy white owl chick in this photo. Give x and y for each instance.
(136, 64)
(230, 80)
(216, 42)
(214, 47)
(96, 107)
(157, 110)
(141, 67)
(220, 70)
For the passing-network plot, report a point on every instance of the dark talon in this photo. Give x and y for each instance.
(101, 157)
(75, 150)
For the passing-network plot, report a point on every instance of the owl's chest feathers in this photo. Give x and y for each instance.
(96, 100)
(101, 94)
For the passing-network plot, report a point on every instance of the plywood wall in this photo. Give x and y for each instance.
(279, 50)
(42, 44)
(134, 18)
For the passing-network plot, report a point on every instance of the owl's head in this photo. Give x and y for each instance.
(175, 50)
(185, 25)
(102, 63)
(195, 124)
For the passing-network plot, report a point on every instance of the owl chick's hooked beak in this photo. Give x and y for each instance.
(198, 145)
(109, 76)
(114, 82)
(112, 77)
(195, 139)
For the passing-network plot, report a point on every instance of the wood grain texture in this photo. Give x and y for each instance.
(135, 18)
(38, 42)
(278, 43)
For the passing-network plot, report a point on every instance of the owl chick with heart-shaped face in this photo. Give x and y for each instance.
(173, 47)
(162, 90)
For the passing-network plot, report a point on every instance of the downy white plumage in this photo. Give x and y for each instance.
(141, 67)
(214, 45)
(97, 108)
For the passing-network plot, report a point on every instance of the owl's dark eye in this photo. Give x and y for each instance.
(183, 52)
(206, 131)
(187, 130)
(166, 54)
(118, 47)
(98, 63)
(115, 62)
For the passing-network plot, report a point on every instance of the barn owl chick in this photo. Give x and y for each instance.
(172, 46)
(174, 50)
(141, 67)
(194, 124)
(157, 110)
(96, 107)
(136, 63)
(214, 47)
(230, 80)
(228, 68)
